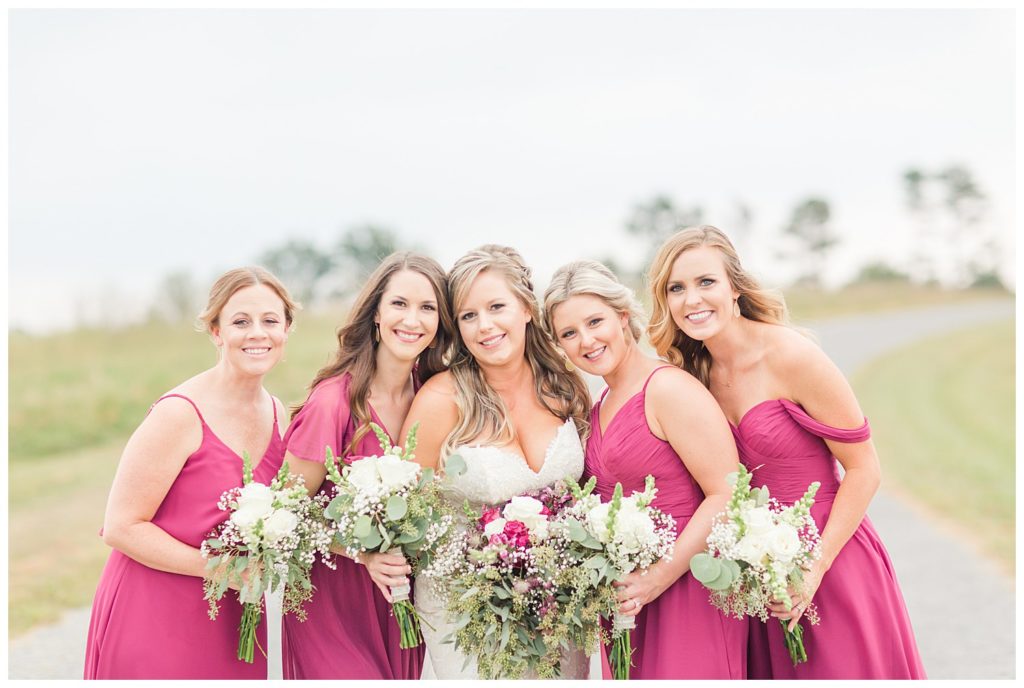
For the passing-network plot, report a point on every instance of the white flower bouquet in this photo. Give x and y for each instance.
(614, 539)
(757, 550)
(271, 538)
(389, 503)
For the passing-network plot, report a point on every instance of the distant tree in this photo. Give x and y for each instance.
(654, 221)
(812, 236)
(178, 297)
(300, 265)
(359, 252)
(659, 218)
(952, 242)
(879, 271)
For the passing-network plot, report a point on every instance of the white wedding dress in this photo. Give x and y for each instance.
(494, 475)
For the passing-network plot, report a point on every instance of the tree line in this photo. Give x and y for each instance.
(946, 205)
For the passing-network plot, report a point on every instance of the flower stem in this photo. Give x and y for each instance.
(621, 658)
(408, 624)
(794, 642)
(251, 615)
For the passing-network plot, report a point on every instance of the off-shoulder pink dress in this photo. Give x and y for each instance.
(679, 635)
(350, 632)
(865, 632)
(149, 624)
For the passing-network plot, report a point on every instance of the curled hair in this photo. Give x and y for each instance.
(482, 415)
(755, 302)
(593, 278)
(240, 278)
(357, 351)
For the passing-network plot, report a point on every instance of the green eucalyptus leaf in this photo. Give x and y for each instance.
(363, 527)
(371, 541)
(454, 465)
(722, 581)
(705, 567)
(396, 507)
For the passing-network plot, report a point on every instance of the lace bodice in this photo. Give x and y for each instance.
(494, 474)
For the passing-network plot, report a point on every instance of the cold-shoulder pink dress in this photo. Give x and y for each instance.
(149, 624)
(679, 635)
(350, 632)
(865, 631)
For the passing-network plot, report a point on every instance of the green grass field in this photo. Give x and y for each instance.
(74, 398)
(943, 421)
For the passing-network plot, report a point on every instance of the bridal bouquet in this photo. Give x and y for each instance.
(514, 589)
(757, 550)
(614, 539)
(271, 539)
(390, 504)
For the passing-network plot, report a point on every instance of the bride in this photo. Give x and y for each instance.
(508, 406)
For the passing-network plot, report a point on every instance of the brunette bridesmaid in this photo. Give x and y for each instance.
(653, 419)
(149, 617)
(794, 418)
(398, 332)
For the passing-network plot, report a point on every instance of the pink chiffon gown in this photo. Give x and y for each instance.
(350, 632)
(149, 624)
(865, 631)
(679, 635)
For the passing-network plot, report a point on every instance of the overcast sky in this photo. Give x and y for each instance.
(148, 141)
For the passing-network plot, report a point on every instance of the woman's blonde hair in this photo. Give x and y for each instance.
(240, 278)
(593, 278)
(357, 351)
(483, 416)
(755, 302)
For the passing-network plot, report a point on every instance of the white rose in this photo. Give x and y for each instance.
(280, 524)
(597, 522)
(256, 496)
(751, 549)
(759, 520)
(255, 502)
(528, 511)
(522, 508)
(362, 474)
(244, 519)
(633, 527)
(494, 527)
(783, 543)
(396, 472)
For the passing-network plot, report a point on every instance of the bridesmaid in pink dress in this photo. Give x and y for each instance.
(398, 332)
(149, 618)
(793, 416)
(653, 419)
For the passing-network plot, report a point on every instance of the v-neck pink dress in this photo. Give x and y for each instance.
(865, 631)
(679, 635)
(349, 632)
(149, 624)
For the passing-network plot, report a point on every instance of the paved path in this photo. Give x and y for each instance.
(961, 605)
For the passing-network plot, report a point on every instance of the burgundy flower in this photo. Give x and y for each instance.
(517, 533)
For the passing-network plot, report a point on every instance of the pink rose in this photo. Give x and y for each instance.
(517, 533)
(489, 515)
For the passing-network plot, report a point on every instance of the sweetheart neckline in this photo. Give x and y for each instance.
(525, 463)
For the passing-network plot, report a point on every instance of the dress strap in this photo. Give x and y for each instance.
(182, 396)
(273, 402)
(797, 413)
(648, 380)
